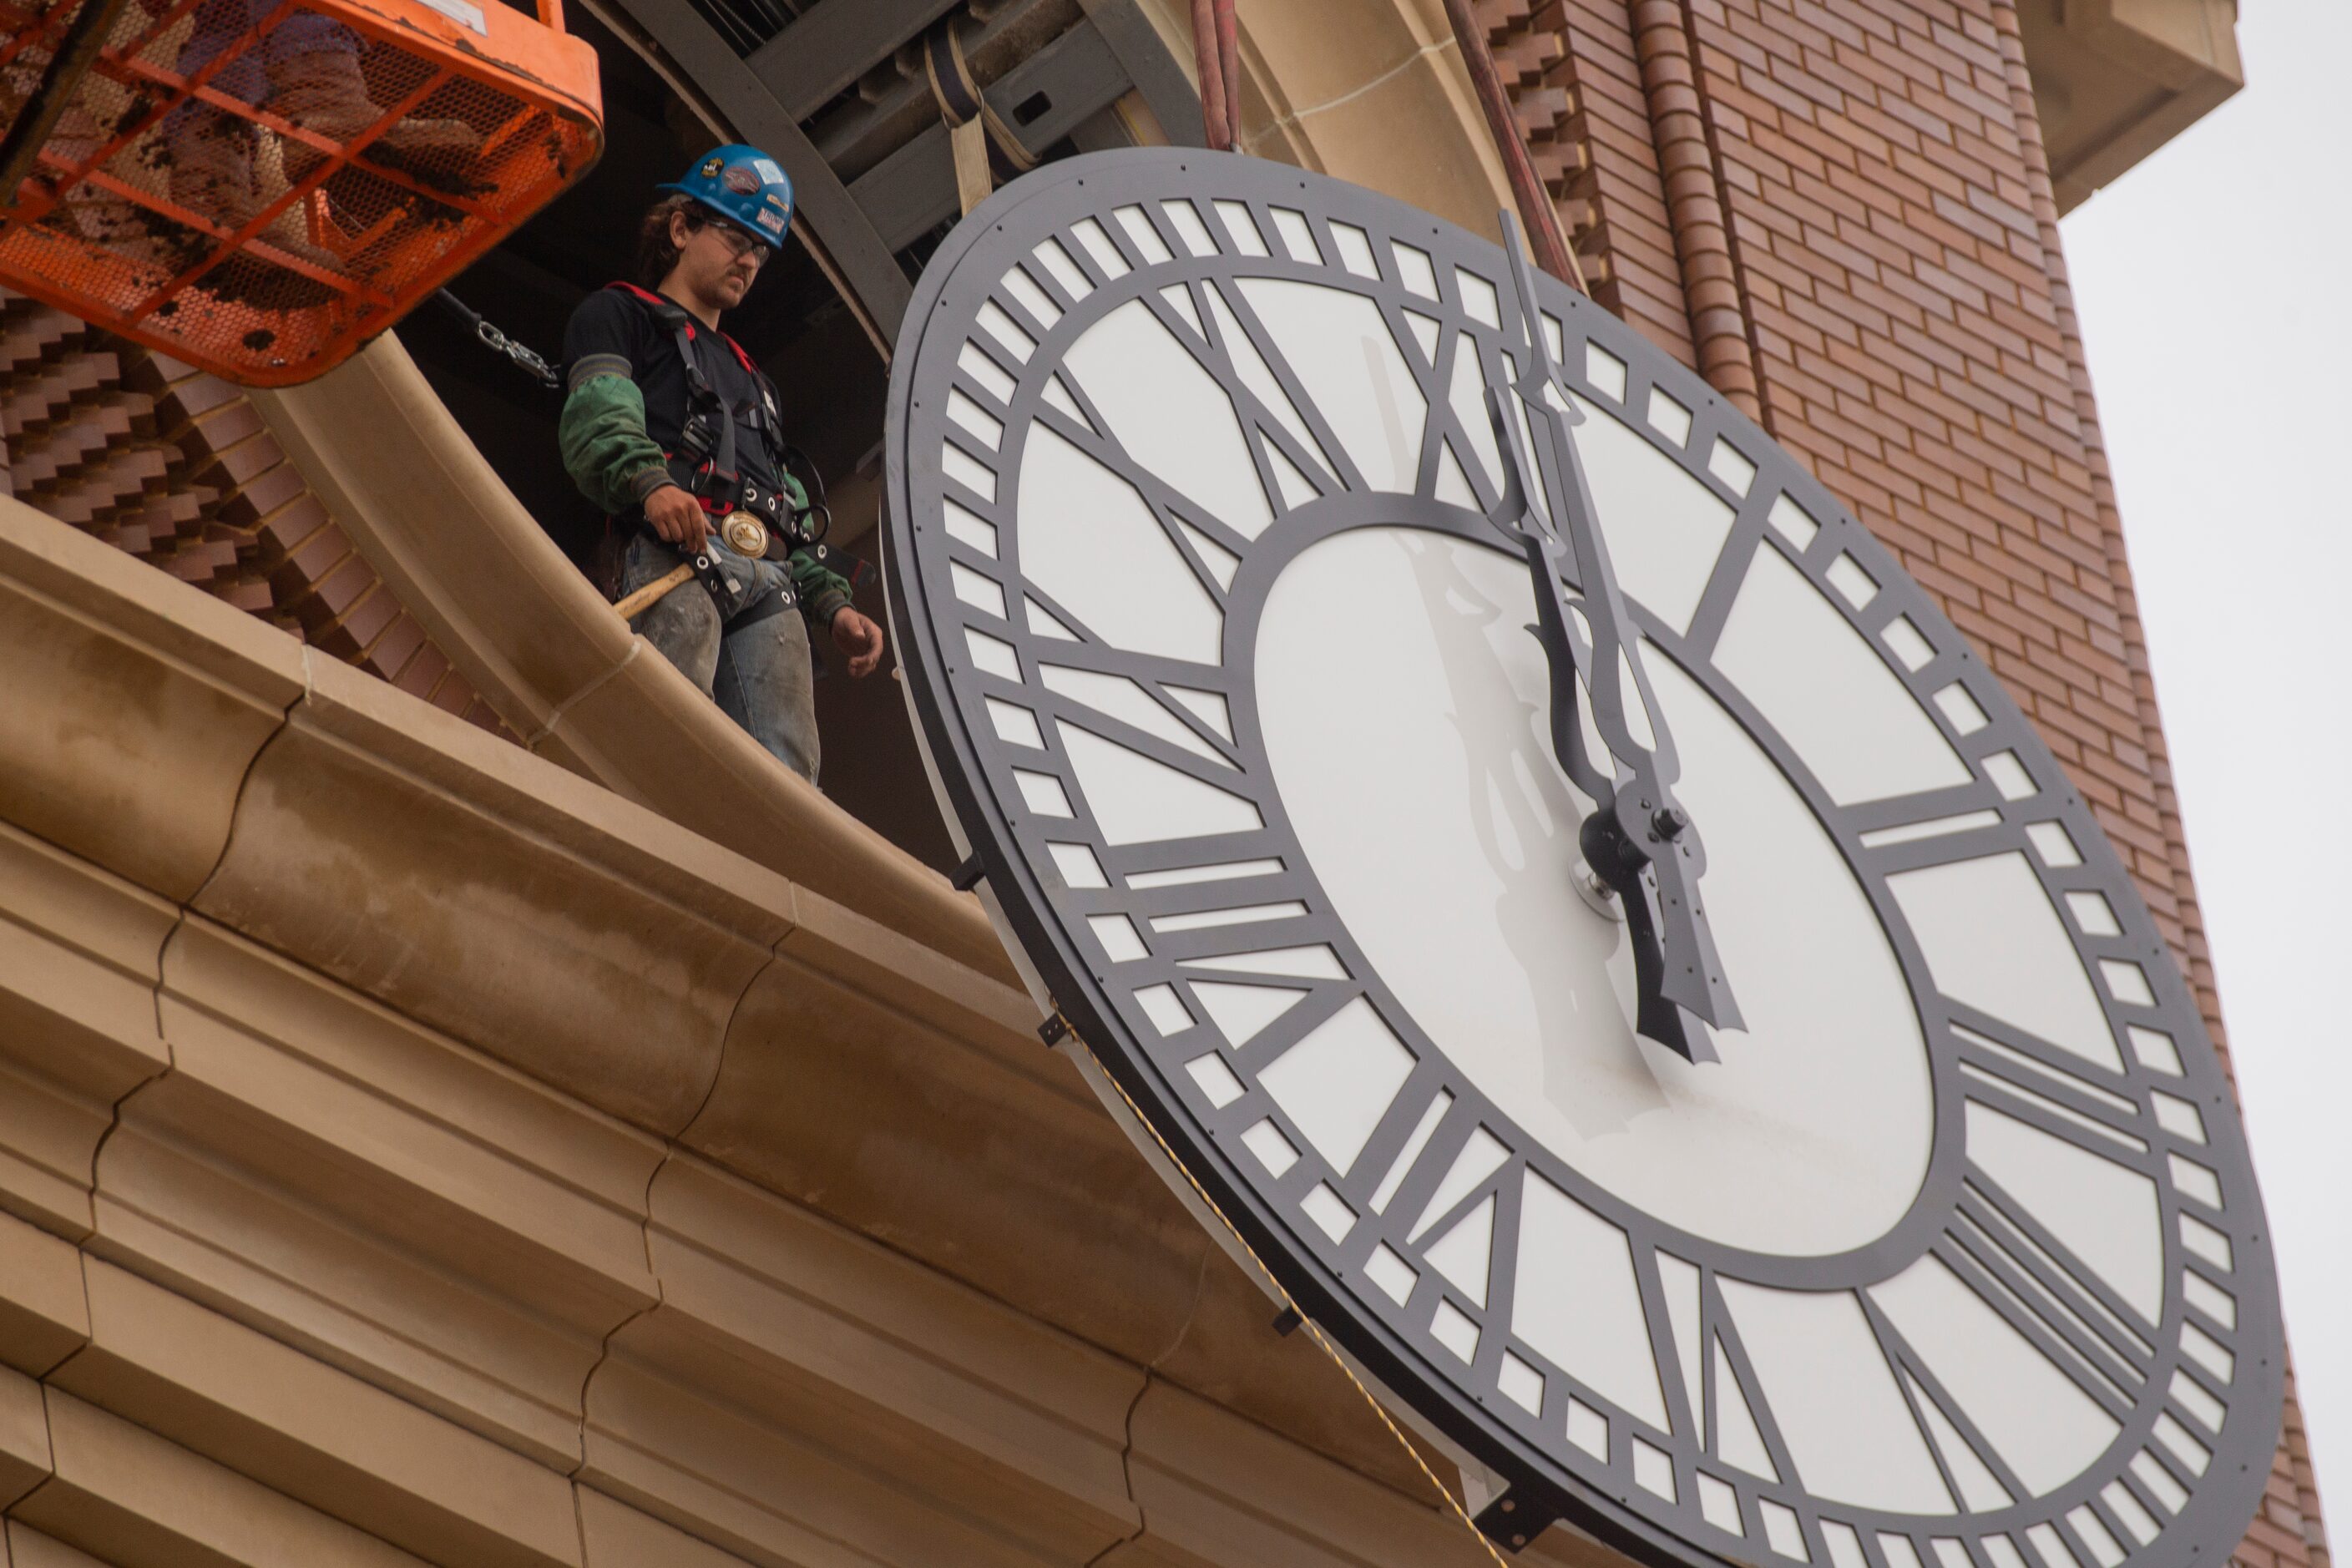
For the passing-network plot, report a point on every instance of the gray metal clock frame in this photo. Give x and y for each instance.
(1548, 1477)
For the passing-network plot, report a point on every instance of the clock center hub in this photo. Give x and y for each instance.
(1406, 711)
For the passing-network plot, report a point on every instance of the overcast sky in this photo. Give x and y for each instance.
(2212, 282)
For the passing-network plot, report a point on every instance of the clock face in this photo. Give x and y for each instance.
(1954, 1259)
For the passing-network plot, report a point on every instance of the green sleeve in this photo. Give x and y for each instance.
(824, 591)
(606, 448)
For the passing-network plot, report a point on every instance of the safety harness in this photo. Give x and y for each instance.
(705, 467)
(705, 464)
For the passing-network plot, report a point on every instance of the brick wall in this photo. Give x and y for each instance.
(172, 464)
(1839, 211)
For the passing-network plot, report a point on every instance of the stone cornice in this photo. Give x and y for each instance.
(437, 1147)
(433, 518)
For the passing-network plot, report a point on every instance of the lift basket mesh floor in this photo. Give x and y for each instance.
(259, 186)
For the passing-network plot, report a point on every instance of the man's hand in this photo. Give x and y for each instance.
(860, 638)
(678, 516)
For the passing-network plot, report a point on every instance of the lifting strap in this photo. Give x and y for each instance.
(972, 121)
(1216, 49)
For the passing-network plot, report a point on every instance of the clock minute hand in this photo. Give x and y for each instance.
(1638, 824)
(1566, 650)
(1567, 501)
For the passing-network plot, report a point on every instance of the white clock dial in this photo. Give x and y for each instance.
(1953, 1258)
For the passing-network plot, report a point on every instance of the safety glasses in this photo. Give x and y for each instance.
(738, 243)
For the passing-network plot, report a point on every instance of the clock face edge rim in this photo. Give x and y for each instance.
(1620, 1519)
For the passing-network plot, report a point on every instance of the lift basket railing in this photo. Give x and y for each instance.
(259, 186)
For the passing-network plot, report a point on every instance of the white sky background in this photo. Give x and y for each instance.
(2214, 282)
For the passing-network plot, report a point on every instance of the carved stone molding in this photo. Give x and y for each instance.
(424, 1154)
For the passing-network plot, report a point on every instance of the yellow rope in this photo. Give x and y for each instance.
(1312, 1328)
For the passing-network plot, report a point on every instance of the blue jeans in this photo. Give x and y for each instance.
(220, 23)
(757, 665)
(211, 149)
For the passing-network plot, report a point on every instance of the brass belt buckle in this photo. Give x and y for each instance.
(745, 534)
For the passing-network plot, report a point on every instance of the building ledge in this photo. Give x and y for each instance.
(2115, 79)
(439, 1129)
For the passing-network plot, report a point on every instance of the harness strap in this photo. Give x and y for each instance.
(669, 310)
(722, 460)
(699, 391)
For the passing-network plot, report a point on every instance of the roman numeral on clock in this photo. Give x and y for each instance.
(1973, 1469)
(1450, 1159)
(2057, 1091)
(1219, 326)
(2004, 1255)
(1183, 517)
(1741, 1429)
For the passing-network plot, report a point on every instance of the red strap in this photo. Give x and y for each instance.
(658, 302)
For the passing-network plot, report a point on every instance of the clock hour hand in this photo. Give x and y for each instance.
(1676, 970)
(1637, 825)
(1671, 944)
(1658, 1016)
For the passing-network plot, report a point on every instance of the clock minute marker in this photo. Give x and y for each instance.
(1638, 839)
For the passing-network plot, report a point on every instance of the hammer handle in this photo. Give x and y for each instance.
(643, 598)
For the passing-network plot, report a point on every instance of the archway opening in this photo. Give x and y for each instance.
(878, 130)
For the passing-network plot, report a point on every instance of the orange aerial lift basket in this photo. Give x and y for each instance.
(259, 186)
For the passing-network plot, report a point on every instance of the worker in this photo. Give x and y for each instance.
(307, 69)
(670, 427)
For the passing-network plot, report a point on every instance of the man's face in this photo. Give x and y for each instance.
(717, 262)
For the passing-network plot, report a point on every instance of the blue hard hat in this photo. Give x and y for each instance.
(746, 187)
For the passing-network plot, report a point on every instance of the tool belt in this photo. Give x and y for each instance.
(723, 493)
(706, 468)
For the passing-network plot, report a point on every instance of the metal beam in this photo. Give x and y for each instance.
(835, 44)
(69, 61)
(845, 238)
(1157, 73)
(913, 190)
(867, 130)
